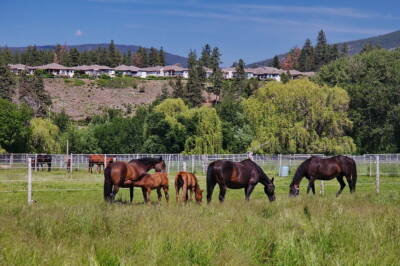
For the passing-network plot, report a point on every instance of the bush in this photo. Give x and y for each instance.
(117, 82)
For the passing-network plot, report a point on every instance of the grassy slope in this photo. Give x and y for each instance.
(76, 227)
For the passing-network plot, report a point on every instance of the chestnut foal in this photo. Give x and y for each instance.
(158, 180)
(187, 181)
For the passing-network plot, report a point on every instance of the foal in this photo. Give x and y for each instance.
(187, 181)
(149, 182)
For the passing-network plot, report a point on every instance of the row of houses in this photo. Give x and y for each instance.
(261, 73)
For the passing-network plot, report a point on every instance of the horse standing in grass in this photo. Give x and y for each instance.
(236, 175)
(41, 160)
(123, 174)
(187, 181)
(149, 182)
(98, 160)
(317, 168)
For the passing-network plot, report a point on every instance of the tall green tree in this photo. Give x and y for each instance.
(205, 58)
(161, 57)
(275, 62)
(74, 57)
(321, 50)
(154, 59)
(306, 60)
(114, 56)
(7, 83)
(216, 77)
(196, 81)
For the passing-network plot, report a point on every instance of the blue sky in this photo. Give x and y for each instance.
(252, 30)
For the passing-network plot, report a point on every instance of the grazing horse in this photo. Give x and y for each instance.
(123, 174)
(98, 160)
(158, 180)
(245, 174)
(325, 169)
(42, 159)
(187, 181)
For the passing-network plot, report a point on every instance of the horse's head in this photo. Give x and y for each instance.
(294, 190)
(199, 195)
(269, 190)
(160, 166)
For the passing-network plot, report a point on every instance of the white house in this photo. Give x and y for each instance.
(97, 70)
(176, 71)
(156, 71)
(56, 70)
(127, 70)
(18, 68)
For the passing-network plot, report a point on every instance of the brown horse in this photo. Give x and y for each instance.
(187, 181)
(325, 169)
(153, 181)
(123, 174)
(245, 174)
(98, 160)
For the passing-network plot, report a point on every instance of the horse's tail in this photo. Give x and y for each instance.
(107, 184)
(354, 175)
(210, 181)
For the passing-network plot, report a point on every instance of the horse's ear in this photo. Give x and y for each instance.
(272, 180)
(160, 159)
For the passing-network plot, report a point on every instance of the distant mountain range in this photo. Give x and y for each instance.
(169, 58)
(388, 41)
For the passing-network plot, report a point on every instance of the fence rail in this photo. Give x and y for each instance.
(389, 164)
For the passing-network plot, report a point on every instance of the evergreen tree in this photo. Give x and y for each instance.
(153, 57)
(334, 52)
(239, 86)
(216, 76)
(74, 57)
(306, 60)
(161, 57)
(195, 83)
(206, 56)
(345, 50)
(275, 62)
(321, 50)
(103, 56)
(114, 55)
(178, 89)
(7, 82)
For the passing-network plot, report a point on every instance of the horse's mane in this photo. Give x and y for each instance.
(147, 160)
(300, 170)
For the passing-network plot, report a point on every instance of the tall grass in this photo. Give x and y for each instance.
(77, 228)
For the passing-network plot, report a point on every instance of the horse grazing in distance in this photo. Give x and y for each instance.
(187, 181)
(317, 168)
(123, 174)
(98, 160)
(42, 159)
(158, 180)
(236, 175)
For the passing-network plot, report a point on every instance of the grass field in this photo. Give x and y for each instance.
(75, 227)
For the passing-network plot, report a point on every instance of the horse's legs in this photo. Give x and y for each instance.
(165, 188)
(191, 194)
(131, 193)
(248, 191)
(148, 195)
(114, 191)
(144, 194)
(350, 182)
(342, 185)
(177, 188)
(159, 194)
(49, 165)
(222, 192)
(210, 188)
(184, 192)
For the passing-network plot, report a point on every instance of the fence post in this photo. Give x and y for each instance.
(250, 155)
(105, 161)
(184, 166)
(11, 159)
(36, 165)
(370, 166)
(29, 180)
(280, 165)
(377, 181)
(192, 162)
(71, 164)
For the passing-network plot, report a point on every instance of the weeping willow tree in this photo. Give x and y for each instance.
(202, 126)
(299, 117)
(44, 136)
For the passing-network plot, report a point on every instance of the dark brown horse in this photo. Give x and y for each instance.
(41, 160)
(245, 174)
(188, 182)
(316, 168)
(123, 174)
(98, 160)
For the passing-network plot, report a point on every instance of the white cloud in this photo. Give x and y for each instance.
(78, 33)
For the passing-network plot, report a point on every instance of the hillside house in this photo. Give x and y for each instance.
(124, 70)
(176, 71)
(56, 70)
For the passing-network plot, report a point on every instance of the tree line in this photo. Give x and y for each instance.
(61, 54)
(351, 106)
(309, 57)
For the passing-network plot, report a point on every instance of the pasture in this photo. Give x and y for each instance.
(71, 225)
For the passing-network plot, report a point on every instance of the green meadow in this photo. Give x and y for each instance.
(69, 224)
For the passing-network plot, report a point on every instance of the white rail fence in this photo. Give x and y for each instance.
(370, 165)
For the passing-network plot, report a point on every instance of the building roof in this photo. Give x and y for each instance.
(151, 69)
(265, 71)
(17, 66)
(53, 66)
(126, 68)
(175, 68)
